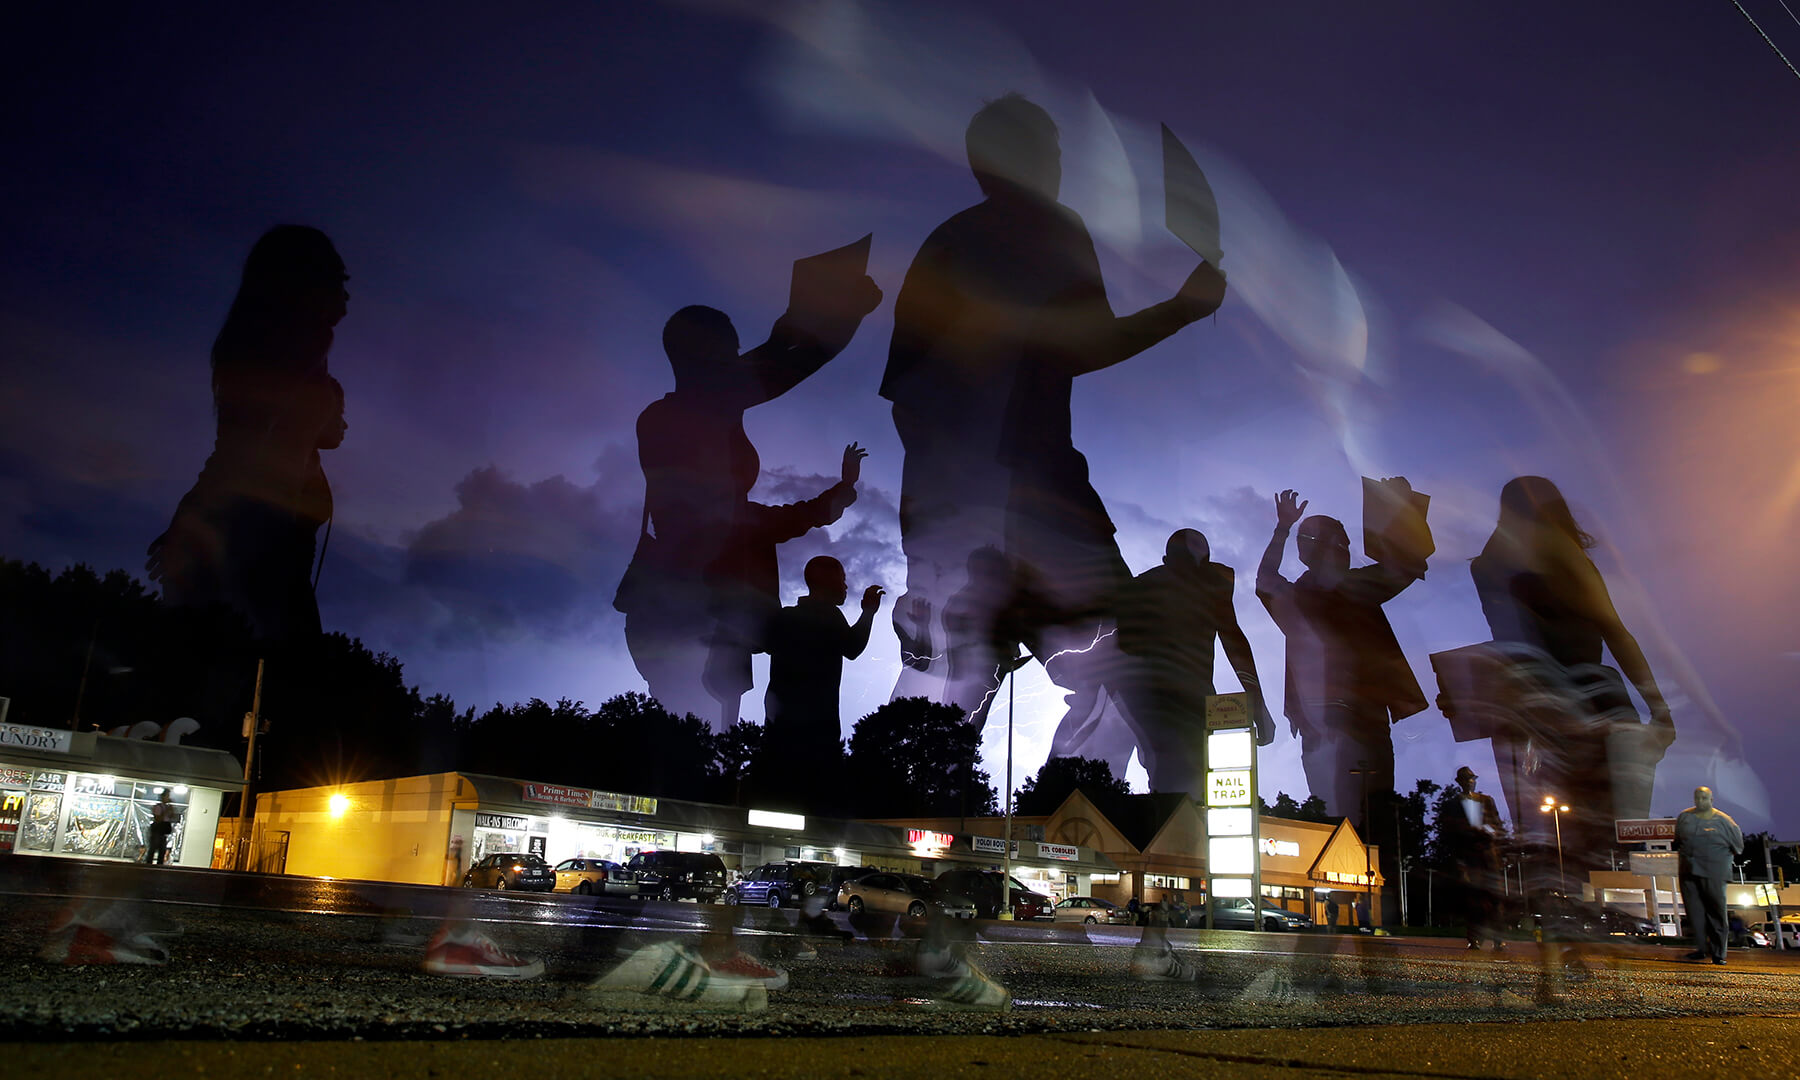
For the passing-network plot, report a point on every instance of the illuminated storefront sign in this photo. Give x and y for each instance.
(1271, 846)
(990, 845)
(504, 822)
(1228, 787)
(588, 799)
(924, 841)
(1230, 818)
(1065, 852)
(771, 819)
(36, 738)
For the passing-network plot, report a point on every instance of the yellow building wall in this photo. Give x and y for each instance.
(388, 830)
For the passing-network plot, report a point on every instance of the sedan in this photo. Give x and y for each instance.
(510, 871)
(1091, 910)
(587, 876)
(1236, 913)
(901, 894)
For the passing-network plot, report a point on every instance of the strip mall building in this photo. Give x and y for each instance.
(86, 795)
(1157, 840)
(429, 829)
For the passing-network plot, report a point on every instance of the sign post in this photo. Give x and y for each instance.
(1232, 823)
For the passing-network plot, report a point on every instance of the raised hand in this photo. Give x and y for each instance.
(872, 597)
(853, 458)
(1203, 291)
(1289, 508)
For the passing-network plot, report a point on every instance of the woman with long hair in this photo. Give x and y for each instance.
(1575, 736)
(245, 535)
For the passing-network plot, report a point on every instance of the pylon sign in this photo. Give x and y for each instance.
(1232, 821)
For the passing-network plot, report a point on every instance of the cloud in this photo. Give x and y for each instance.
(866, 539)
(541, 558)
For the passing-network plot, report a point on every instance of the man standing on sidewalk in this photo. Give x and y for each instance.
(1707, 839)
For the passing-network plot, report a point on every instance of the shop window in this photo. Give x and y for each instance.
(102, 826)
(37, 829)
(1106, 879)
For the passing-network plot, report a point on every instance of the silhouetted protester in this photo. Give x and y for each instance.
(1169, 617)
(245, 535)
(802, 757)
(163, 818)
(1002, 308)
(1474, 844)
(703, 581)
(1331, 912)
(1347, 680)
(1707, 840)
(1574, 735)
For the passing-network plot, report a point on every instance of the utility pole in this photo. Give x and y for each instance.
(1006, 909)
(247, 801)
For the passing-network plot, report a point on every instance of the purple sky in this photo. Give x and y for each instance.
(1463, 244)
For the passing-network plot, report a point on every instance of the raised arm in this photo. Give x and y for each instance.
(793, 352)
(1593, 600)
(1243, 661)
(858, 638)
(1288, 509)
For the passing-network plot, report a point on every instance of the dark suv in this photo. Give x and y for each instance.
(982, 888)
(678, 875)
(773, 884)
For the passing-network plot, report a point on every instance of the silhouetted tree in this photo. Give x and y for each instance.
(734, 750)
(917, 757)
(1043, 793)
(1284, 806)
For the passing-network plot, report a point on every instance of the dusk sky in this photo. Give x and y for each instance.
(1464, 243)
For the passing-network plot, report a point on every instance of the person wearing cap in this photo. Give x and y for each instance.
(1476, 829)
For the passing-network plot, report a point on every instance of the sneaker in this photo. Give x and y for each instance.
(936, 963)
(1475, 945)
(80, 943)
(803, 950)
(470, 953)
(974, 991)
(1162, 966)
(677, 972)
(742, 965)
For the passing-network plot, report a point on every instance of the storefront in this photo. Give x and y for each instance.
(87, 795)
(430, 829)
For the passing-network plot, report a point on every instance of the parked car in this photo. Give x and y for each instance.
(982, 888)
(1558, 914)
(901, 894)
(1790, 930)
(774, 884)
(510, 870)
(1090, 909)
(587, 876)
(1238, 913)
(678, 875)
(834, 881)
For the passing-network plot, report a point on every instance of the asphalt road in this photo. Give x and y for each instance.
(294, 958)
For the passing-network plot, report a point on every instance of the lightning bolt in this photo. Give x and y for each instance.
(908, 658)
(1000, 673)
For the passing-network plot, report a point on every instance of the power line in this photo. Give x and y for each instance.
(1766, 37)
(1790, 11)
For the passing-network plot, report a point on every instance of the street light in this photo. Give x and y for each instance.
(1364, 772)
(1556, 810)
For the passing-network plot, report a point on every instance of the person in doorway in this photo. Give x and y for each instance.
(1331, 912)
(163, 817)
(1707, 840)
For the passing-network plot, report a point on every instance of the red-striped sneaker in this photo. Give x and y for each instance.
(470, 953)
(742, 965)
(80, 943)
